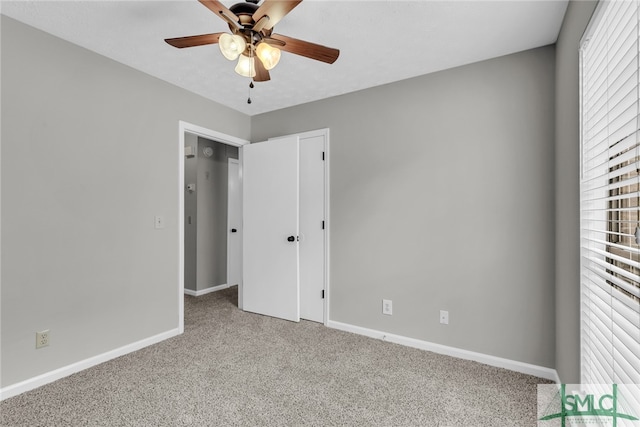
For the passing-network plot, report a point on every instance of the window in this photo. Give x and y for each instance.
(610, 196)
(622, 223)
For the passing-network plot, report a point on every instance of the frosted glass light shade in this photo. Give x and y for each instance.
(231, 45)
(270, 56)
(246, 66)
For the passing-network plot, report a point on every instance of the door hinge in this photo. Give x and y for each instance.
(323, 155)
(322, 223)
(323, 294)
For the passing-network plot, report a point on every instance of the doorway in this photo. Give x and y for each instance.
(323, 282)
(187, 132)
(207, 215)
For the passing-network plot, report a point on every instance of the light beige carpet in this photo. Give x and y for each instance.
(236, 368)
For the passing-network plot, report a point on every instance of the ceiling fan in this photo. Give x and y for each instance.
(252, 36)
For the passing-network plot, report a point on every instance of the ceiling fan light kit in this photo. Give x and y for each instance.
(270, 56)
(231, 46)
(246, 66)
(252, 36)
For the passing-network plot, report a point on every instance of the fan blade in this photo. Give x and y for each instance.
(275, 10)
(191, 41)
(260, 24)
(222, 11)
(307, 49)
(273, 42)
(262, 75)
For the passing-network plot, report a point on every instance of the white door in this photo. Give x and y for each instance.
(234, 225)
(312, 230)
(271, 283)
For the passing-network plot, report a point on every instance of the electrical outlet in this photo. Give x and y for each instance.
(444, 317)
(42, 339)
(387, 307)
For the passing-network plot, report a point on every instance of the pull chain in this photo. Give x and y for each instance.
(252, 67)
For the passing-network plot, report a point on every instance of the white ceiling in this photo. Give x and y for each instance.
(380, 41)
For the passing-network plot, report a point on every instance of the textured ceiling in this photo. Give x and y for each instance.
(379, 41)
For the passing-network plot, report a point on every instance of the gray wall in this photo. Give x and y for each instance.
(212, 192)
(442, 197)
(567, 186)
(89, 156)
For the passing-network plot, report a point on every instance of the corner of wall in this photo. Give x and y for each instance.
(567, 260)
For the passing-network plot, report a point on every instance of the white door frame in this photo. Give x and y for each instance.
(327, 225)
(185, 127)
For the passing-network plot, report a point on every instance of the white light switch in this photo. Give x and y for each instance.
(159, 221)
(387, 307)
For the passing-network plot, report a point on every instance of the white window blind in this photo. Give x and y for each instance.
(609, 196)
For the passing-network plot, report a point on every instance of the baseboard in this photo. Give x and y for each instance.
(205, 291)
(513, 365)
(49, 377)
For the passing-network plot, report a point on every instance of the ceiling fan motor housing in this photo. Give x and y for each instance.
(244, 11)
